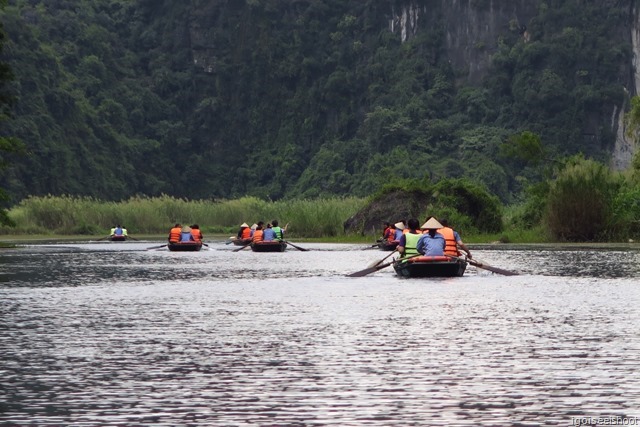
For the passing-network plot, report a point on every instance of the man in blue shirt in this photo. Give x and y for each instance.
(431, 243)
(268, 234)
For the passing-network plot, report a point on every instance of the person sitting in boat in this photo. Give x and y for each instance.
(268, 234)
(174, 234)
(408, 245)
(399, 226)
(124, 231)
(185, 235)
(245, 231)
(257, 234)
(113, 231)
(391, 233)
(196, 233)
(453, 240)
(431, 243)
(278, 230)
(117, 231)
(386, 231)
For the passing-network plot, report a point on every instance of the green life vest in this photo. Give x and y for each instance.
(278, 231)
(410, 248)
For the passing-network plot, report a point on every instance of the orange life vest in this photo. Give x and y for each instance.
(451, 247)
(257, 236)
(246, 233)
(174, 234)
(197, 234)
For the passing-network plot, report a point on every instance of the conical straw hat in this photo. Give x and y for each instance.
(431, 224)
(244, 224)
(399, 225)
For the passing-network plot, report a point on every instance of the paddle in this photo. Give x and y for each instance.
(297, 247)
(370, 270)
(490, 268)
(243, 247)
(156, 247)
(103, 238)
(131, 237)
(379, 262)
(231, 239)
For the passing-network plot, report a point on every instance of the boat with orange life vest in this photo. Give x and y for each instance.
(269, 246)
(430, 266)
(388, 245)
(191, 246)
(241, 242)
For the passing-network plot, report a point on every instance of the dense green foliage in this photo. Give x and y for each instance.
(143, 215)
(206, 99)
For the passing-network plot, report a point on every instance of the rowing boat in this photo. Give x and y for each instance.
(269, 246)
(184, 246)
(430, 266)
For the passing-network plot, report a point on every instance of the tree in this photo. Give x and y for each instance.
(8, 144)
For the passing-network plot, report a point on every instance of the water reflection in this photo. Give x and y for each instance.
(118, 335)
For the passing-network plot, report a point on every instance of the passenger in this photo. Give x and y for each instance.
(405, 230)
(453, 240)
(113, 231)
(269, 235)
(399, 230)
(253, 230)
(257, 234)
(391, 233)
(117, 231)
(196, 233)
(185, 235)
(385, 230)
(244, 232)
(174, 234)
(408, 245)
(124, 231)
(278, 230)
(431, 243)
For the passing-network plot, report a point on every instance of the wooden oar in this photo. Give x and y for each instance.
(490, 268)
(156, 247)
(297, 247)
(373, 269)
(131, 237)
(103, 238)
(243, 247)
(380, 262)
(231, 239)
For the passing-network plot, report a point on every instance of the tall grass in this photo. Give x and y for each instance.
(155, 215)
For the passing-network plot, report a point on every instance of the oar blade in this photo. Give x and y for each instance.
(243, 247)
(156, 247)
(297, 247)
(492, 269)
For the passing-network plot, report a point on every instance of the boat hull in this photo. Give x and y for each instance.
(118, 238)
(431, 266)
(274, 246)
(388, 245)
(241, 242)
(185, 246)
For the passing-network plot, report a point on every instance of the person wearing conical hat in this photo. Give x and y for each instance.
(244, 232)
(185, 234)
(399, 230)
(431, 243)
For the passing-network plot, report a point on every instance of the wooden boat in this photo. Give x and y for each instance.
(241, 242)
(269, 246)
(431, 266)
(185, 246)
(118, 238)
(388, 245)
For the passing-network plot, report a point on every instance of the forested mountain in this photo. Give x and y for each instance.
(275, 98)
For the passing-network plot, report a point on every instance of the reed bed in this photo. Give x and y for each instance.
(156, 215)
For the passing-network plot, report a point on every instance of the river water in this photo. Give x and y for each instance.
(113, 334)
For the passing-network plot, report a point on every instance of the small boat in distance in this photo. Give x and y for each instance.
(269, 246)
(184, 246)
(430, 266)
(241, 242)
(388, 245)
